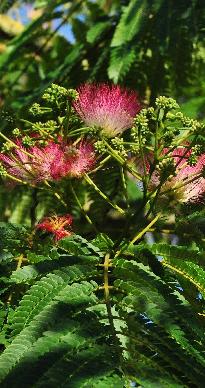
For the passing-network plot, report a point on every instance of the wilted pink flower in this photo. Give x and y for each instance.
(188, 181)
(57, 225)
(109, 108)
(187, 184)
(51, 162)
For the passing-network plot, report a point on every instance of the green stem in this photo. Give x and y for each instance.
(145, 230)
(96, 188)
(60, 199)
(107, 264)
(140, 234)
(15, 145)
(78, 131)
(101, 164)
(81, 207)
(124, 185)
(120, 160)
(18, 180)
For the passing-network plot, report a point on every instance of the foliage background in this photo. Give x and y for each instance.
(153, 46)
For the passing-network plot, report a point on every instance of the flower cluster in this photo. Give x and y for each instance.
(59, 226)
(51, 162)
(109, 108)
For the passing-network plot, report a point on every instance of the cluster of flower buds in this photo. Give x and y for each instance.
(118, 144)
(38, 110)
(166, 103)
(55, 93)
(49, 126)
(141, 132)
(190, 124)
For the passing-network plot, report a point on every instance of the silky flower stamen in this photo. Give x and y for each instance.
(109, 108)
(80, 159)
(51, 162)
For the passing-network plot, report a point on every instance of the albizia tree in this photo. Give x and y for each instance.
(96, 293)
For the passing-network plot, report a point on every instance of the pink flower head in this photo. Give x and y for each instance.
(35, 164)
(57, 225)
(51, 162)
(110, 108)
(18, 164)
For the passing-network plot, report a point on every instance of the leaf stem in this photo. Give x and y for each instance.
(120, 160)
(96, 188)
(60, 199)
(140, 234)
(145, 230)
(20, 260)
(106, 280)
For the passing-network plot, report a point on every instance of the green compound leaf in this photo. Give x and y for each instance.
(131, 22)
(96, 31)
(121, 60)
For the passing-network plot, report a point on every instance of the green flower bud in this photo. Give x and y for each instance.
(55, 93)
(48, 126)
(166, 103)
(117, 143)
(72, 94)
(166, 169)
(192, 161)
(16, 132)
(35, 109)
(100, 146)
(198, 149)
(134, 148)
(27, 141)
(42, 142)
(7, 146)
(170, 116)
(3, 171)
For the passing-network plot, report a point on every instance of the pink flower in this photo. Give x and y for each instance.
(57, 225)
(109, 108)
(187, 183)
(34, 164)
(51, 162)
(80, 159)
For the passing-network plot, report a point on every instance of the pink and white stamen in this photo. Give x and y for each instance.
(51, 162)
(110, 108)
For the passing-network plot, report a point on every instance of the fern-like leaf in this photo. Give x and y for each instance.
(132, 19)
(120, 62)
